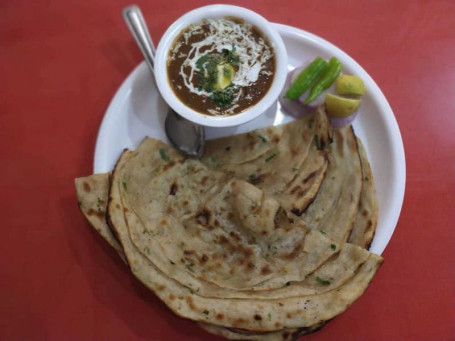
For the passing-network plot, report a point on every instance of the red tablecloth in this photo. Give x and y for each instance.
(60, 64)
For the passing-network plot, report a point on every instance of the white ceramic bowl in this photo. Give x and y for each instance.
(217, 12)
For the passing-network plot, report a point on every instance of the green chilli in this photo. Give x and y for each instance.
(306, 78)
(325, 81)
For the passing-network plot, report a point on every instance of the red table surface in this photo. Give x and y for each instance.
(60, 64)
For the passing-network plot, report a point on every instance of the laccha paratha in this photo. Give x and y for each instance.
(99, 184)
(191, 300)
(335, 207)
(320, 182)
(228, 235)
(284, 334)
(288, 312)
(367, 216)
(287, 162)
(92, 195)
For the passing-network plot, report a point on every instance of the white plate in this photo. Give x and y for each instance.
(137, 110)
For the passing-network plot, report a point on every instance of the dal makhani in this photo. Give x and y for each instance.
(221, 67)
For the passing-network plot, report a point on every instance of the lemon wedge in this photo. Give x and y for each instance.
(340, 106)
(350, 85)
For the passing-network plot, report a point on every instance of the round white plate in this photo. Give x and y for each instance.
(137, 110)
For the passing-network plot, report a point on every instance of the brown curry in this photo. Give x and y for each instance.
(221, 67)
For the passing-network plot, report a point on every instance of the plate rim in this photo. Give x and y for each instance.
(398, 157)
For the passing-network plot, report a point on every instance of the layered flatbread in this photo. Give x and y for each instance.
(247, 257)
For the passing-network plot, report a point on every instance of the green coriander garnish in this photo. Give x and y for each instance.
(215, 161)
(206, 312)
(230, 56)
(263, 139)
(215, 74)
(163, 155)
(223, 98)
(322, 281)
(208, 71)
(310, 123)
(124, 185)
(252, 177)
(270, 157)
(333, 247)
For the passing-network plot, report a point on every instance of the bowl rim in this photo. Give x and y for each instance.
(220, 11)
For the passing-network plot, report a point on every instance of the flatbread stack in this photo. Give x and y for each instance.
(264, 238)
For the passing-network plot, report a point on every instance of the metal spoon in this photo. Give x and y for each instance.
(184, 135)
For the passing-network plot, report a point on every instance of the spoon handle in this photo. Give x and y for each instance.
(138, 27)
